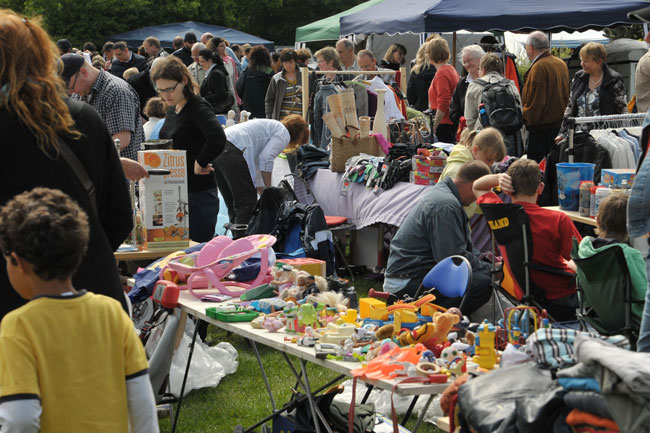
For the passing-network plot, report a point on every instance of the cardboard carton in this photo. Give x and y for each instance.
(164, 199)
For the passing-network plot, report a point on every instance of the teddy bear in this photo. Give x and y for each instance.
(431, 333)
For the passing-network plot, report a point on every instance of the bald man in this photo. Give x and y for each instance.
(545, 96)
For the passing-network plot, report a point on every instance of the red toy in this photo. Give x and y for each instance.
(165, 293)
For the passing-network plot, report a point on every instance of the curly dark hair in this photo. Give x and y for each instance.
(46, 228)
(259, 57)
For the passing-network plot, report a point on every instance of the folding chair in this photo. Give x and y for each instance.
(510, 229)
(336, 224)
(605, 292)
(451, 276)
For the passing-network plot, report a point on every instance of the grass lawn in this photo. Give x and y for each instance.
(241, 398)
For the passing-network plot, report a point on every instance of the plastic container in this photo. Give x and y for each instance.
(569, 176)
(601, 193)
(592, 201)
(585, 197)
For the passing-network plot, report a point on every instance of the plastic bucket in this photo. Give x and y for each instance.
(569, 176)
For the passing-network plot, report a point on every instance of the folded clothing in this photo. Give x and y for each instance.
(588, 401)
(578, 418)
(579, 383)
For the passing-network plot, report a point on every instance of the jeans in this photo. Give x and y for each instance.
(643, 345)
(203, 209)
(235, 184)
(540, 142)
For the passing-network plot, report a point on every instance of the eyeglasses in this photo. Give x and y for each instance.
(168, 90)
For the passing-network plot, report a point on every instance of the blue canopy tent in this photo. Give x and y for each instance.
(166, 33)
(427, 16)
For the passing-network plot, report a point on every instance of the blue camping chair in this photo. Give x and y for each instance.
(452, 277)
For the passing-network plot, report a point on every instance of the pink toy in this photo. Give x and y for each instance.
(217, 259)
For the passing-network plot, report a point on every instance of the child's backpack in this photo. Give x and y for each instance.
(501, 106)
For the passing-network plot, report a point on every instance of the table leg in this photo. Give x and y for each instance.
(367, 394)
(266, 380)
(187, 370)
(293, 403)
(312, 403)
(424, 412)
(315, 411)
(409, 410)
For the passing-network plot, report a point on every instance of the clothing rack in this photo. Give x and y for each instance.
(304, 74)
(622, 118)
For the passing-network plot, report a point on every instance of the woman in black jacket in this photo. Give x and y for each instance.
(422, 73)
(596, 90)
(254, 81)
(35, 116)
(214, 88)
(394, 58)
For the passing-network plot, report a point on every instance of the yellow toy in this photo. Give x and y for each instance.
(432, 333)
(486, 354)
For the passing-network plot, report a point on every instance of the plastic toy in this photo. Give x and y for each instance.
(165, 293)
(337, 333)
(520, 322)
(486, 354)
(236, 316)
(217, 259)
(307, 315)
(272, 324)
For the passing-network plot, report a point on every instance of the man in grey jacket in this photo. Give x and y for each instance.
(436, 229)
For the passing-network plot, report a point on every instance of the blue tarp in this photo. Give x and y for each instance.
(167, 32)
(428, 16)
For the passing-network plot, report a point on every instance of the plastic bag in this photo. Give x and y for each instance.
(209, 364)
(381, 400)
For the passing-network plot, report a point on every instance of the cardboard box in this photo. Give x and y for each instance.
(307, 264)
(422, 178)
(615, 176)
(164, 199)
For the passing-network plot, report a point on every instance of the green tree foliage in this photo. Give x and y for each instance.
(93, 20)
(631, 32)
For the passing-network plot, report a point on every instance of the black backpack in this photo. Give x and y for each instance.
(503, 110)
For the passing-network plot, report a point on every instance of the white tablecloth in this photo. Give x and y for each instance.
(361, 206)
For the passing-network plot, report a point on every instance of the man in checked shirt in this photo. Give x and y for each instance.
(115, 101)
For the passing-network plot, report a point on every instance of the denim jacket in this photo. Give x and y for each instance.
(638, 206)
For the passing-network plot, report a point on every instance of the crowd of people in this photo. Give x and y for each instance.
(65, 107)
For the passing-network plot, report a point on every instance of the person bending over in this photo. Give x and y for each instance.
(552, 233)
(436, 229)
(71, 360)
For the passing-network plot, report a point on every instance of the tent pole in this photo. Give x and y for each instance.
(454, 50)
(304, 75)
(402, 79)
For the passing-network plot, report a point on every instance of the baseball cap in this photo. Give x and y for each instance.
(640, 14)
(71, 65)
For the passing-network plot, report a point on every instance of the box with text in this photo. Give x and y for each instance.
(164, 199)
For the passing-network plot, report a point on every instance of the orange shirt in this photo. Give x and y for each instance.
(441, 88)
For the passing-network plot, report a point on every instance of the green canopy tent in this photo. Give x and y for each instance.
(328, 28)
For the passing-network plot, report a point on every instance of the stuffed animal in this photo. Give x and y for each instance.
(431, 333)
(330, 299)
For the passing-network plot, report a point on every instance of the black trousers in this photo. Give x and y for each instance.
(540, 142)
(235, 184)
(446, 133)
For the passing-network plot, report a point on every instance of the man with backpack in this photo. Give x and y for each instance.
(493, 100)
